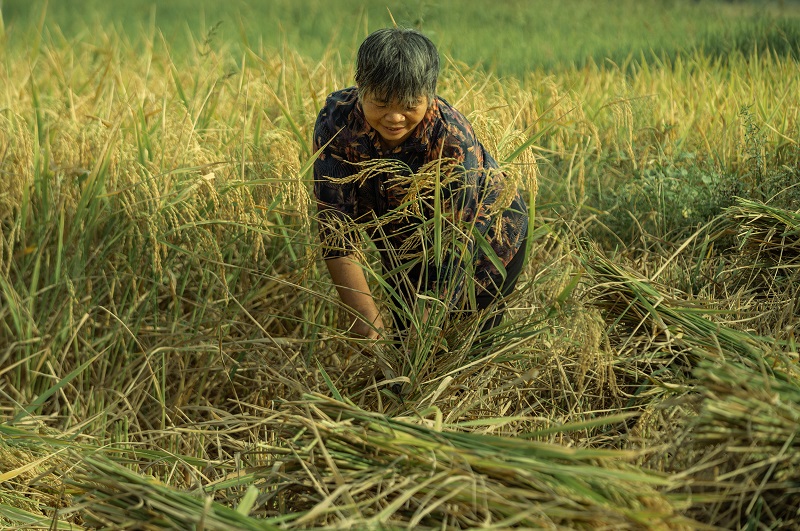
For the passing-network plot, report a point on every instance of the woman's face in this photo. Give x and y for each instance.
(393, 121)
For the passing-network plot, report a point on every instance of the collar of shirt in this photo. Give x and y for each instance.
(419, 139)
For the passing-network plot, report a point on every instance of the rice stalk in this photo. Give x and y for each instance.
(769, 260)
(341, 465)
(768, 234)
(638, 304)
(746, 434)
(113, 496)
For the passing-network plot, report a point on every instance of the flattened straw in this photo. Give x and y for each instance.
(459, 477)
(626, 296)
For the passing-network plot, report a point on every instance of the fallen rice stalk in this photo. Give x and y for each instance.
(628, 298)
(114, 496)
(770, 236)
(345, 465)
(769, 261)
(749, 423)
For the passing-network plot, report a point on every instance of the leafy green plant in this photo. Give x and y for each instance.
(669, 200)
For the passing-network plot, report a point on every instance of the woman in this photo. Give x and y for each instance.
(405, 166)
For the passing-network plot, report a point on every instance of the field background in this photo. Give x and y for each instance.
(513, 38)
(170, 354)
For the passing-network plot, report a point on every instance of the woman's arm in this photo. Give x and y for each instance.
(350, 282)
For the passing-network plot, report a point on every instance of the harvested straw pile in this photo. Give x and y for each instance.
(738, 447)
(770, 236)
(635, 305)
(345, 465)
(768, 267)
(333, 465)
(745, 446)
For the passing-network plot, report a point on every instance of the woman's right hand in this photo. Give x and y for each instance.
(351, 283)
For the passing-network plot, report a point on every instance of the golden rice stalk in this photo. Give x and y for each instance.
(636, 302)
(770, 245)
(331, 464)
(114, 497)
(339, 465)
(29, 493)
(769, 234)
(48, 481)
(747, 434)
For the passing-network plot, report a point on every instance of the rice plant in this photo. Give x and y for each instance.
(171, 355)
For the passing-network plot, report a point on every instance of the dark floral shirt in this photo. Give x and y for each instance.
(356, 180)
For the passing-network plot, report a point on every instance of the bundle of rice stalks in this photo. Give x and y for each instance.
(770, 236)
(338, 465)
(114, 497)
(51, 481)
(29, 494)
(748, 436)
(335, 465)
(767, 268)
(739, 452)
(643, 307)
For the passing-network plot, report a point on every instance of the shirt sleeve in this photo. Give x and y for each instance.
(336, 201)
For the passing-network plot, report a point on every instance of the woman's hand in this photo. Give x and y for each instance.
(361, 328)
(351, 283)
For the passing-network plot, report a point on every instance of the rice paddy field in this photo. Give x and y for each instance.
(171, 352)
